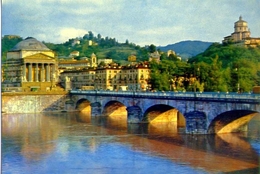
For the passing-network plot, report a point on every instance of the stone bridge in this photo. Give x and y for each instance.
(203, 113)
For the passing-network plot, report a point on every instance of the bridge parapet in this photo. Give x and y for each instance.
(214, 96)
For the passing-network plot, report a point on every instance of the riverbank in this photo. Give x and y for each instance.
(35, 102)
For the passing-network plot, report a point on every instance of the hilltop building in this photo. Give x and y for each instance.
(30, 66)
(155, 56)
(169, 52)
(75, 42)
(241, 35)
(131, 58)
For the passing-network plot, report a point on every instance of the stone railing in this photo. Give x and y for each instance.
(169, 95)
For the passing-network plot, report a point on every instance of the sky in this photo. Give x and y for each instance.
(143, 22)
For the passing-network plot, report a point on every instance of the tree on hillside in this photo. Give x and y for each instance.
(90, 35)
(238, 69)
(213, 81)
(152, 48)
(99, 37)
(163, 56)
(173, 57)
(85, 37)
(8, 42)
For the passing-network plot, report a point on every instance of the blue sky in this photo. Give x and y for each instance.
(143, 22)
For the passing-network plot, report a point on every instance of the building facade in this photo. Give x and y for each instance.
(106, 61)
(110, 77)
(134, 77)
(76, 79)
(29, 66)
(73, 64)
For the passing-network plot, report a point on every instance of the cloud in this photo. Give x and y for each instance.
(67, 33)
(162, 22)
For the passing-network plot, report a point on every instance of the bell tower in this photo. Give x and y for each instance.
(93, 62)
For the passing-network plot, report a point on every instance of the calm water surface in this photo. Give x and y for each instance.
(78, 143)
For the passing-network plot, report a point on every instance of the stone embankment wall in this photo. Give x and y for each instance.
(34, 103)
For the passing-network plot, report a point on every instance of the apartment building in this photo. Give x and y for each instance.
(113, 77)
(76, 79)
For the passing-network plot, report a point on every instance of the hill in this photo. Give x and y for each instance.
(228, 55)
(86, 45)
(8, 42)
(234, 68)
(187, 49)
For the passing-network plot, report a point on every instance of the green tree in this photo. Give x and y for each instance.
(173, 57)
(8, 42)
(90, 35)
(163, 56)
(99, 37)
(152, 48)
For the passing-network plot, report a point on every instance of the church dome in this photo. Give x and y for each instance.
(30, 43)
(240, 23)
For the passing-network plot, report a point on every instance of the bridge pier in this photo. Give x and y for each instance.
(196, 122)
(95, 109)
(134, 114)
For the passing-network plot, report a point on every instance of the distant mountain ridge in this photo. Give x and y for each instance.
(187, 49)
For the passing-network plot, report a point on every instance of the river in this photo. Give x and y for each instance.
(78, 143)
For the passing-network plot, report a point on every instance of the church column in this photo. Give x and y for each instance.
(42, 73)
(53, 72)
(48, 72)
(30, 72)
(24, 73)
(36, 73)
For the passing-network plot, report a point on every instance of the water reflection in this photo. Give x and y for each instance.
(77, 137)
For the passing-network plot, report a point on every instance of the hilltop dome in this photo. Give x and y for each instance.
(30, 43)
(240, 23)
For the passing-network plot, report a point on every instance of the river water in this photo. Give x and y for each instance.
(77, 143)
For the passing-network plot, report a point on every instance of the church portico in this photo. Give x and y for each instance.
(38, 72)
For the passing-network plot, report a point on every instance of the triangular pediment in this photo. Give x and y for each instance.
(40, 56)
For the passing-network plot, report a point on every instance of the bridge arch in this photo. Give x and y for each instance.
(83, 105)
(231, 121)
(114, 108)
(162, 113)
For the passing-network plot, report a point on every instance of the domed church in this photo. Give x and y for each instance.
(241, 35)
(30, 66)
